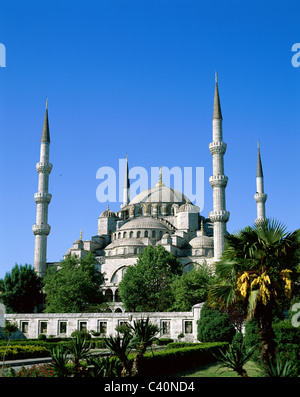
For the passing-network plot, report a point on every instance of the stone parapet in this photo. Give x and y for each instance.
(44, 167)
(260, 197)
(41, 229)
(42, 198)
(219, 216)
(217, 147)
(218, 181)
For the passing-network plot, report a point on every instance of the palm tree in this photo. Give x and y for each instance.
(144, 333)
(121, 347)
(258, 267)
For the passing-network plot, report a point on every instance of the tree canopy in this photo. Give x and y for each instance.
(74, 287)
(259, 267)
(192, 287)
(146, 285)
(21, 289)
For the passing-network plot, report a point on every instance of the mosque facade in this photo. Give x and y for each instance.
(159, 215)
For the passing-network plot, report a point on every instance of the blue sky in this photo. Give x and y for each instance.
(137, 77)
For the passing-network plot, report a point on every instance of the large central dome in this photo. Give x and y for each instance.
(160, 194)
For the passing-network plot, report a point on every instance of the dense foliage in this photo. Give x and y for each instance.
(259, 267)
(192, 287)
(214, 326)
(146, 284)
(21, 290)
(74, 287)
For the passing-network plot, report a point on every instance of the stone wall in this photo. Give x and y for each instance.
(171, 324)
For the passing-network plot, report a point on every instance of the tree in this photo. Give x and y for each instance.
(146, 285)
(74, 287)
(143, 334)
(214, 326)
(192, 287)
(21, 289)
(258, 267)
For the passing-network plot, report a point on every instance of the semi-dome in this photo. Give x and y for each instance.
(202, 241)
(189, 207)
(136, 242)
(108, 214)
(143, 223)
(160, 194)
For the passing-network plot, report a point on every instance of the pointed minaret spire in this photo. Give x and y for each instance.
(41, 229)
(45, 132)
(217, 114)
(219, 216)
(259, 171)
(126, 189)
(260, 196)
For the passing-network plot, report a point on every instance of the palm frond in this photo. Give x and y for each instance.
(221, 295)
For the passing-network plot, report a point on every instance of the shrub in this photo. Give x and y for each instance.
(287, 338)
(171, 361)
(16, 352)
(214, 326)
(163, 341)
(178, 345)
(42, 337)
(35, 371)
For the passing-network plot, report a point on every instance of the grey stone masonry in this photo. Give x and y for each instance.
(41, 229)
(218, 181)
(171, 324)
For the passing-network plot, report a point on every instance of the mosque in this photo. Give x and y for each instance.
(159, 215)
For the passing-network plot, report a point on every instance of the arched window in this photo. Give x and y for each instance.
(119, 235)
(117, 296)
(124, 235)
(153, 233)
(146, 233)
(131, 234)
(108, 295)
(114, 278)
(138, 235)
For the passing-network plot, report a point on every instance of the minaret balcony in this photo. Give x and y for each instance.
(44, 167)
(218, 181)
(260, 197)
(219, 216)
(217, 148)
(42, 198)
(42, 230)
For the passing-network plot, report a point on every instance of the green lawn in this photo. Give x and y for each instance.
(214, 370)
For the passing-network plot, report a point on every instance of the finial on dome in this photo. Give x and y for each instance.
(160, 183)
(80, 234)
(202, 231)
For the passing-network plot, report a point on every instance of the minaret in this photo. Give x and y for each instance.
(260, 196)
(41, 229)
(219, 216)
(126, 189)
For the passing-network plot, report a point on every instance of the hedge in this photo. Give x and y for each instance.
(17, 352)
(52, 342)
(171, 361)
(287, 339)
(178, 345)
